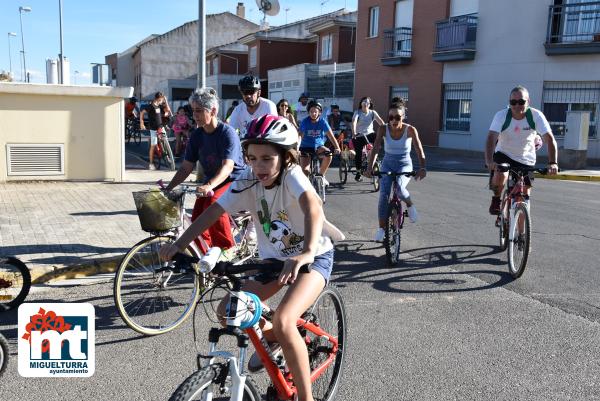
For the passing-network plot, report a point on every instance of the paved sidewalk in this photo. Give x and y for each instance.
(72, 229)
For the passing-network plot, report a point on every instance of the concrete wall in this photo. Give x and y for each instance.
(174, 54)
(88, 121)
(505, 59)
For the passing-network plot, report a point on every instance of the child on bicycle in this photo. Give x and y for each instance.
(397, 138)
(181, 128)
(292, 228)
(313, 130)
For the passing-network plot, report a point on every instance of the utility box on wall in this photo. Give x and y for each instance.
(574, 152)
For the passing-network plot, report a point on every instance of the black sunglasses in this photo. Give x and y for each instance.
(397, 117)
(520, 102)
(249, 92)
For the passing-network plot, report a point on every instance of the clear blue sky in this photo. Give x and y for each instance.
(93, 29)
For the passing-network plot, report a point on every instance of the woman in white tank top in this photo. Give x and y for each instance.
(398, 138)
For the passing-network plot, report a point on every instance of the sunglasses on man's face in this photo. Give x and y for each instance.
(249, 92)
(520, 102)
(397, 117)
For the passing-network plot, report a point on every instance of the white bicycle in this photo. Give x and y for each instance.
(153, 296)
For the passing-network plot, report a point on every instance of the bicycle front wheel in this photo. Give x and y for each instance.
(375, 177)
(319, 186)
(3, 354)
(393, 228)
(329, 313)
(213, 383)
(343, 170)
(519, 246)
(150, 295)
(15, 282)
(137, 137)
(168, 153)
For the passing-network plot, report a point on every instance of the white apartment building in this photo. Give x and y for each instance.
(552, 47)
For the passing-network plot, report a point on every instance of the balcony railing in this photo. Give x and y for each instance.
(455, 39)
(573, 28)
(397, 46)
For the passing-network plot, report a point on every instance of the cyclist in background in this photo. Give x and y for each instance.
(300, 107)
(512, 139)
(253, 105)
(217, 146)
(131, 109)
(181, 126)
(397, 138)
(283, 109)
(293, 229)
(314, 129)
(362, 130)
(156, 121)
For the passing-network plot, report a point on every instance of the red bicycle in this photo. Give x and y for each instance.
(514, 220)
(323, 327)
(162, 151)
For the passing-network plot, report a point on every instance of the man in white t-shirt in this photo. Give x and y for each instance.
(253, 105)
(512, 139)
(300, 107)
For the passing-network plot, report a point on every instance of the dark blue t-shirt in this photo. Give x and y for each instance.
(211, 149)
(313, 134)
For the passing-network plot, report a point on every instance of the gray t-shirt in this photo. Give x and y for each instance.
(364, 122)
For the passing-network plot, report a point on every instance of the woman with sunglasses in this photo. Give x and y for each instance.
(397, 138)
(512, 139)
(284, 110)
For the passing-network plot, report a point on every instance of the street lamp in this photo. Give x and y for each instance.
(75, 76)
(9, 55)
(21, 11)
(286, 11)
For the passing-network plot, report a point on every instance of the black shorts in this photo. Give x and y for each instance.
(500, 158)
(306, 151)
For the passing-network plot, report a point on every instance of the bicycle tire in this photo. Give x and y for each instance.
(195, 385)
(343, 171)
(168, 153)
(393, 229)
(504, 225)
(319, 186)
(161, 308)
(519, 247)
(137, 137)
(375, 179)
(15, 282)
(4, 353)
(330, 314)
(158, 155)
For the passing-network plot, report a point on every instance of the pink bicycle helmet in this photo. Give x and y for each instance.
(271, 129)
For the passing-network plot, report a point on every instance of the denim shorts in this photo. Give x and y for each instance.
(323, 264)
(153, 137)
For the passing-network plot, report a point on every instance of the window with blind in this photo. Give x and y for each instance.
(560, 97)
(457, 106)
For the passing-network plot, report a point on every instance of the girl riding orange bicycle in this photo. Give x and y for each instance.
(292, 229)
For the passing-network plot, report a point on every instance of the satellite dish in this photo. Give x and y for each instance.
(268, 7)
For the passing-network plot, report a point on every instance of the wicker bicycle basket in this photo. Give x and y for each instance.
(158, 211)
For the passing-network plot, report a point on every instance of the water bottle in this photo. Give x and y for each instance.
(210, 259)
(243, 310)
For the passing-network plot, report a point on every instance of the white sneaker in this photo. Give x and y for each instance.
(256, 365)
(151, 167)
(379, 235)
(412, 214)
(325, 182)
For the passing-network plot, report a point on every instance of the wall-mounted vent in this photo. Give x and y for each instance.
(35, 159)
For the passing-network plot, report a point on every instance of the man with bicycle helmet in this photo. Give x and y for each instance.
(292, 228)
(314, 129)
(253, 106)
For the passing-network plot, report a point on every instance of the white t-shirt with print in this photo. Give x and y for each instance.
(240, 117)
(276, 213)
(301, 112)
(518, 140)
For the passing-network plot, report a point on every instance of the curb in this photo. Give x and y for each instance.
(569, 177)
(97, 266)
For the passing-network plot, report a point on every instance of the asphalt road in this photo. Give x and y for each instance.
(447, 324)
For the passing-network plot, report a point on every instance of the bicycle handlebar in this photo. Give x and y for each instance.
(268, 271)
(187, 189)
(505, 167)
(394, 174)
